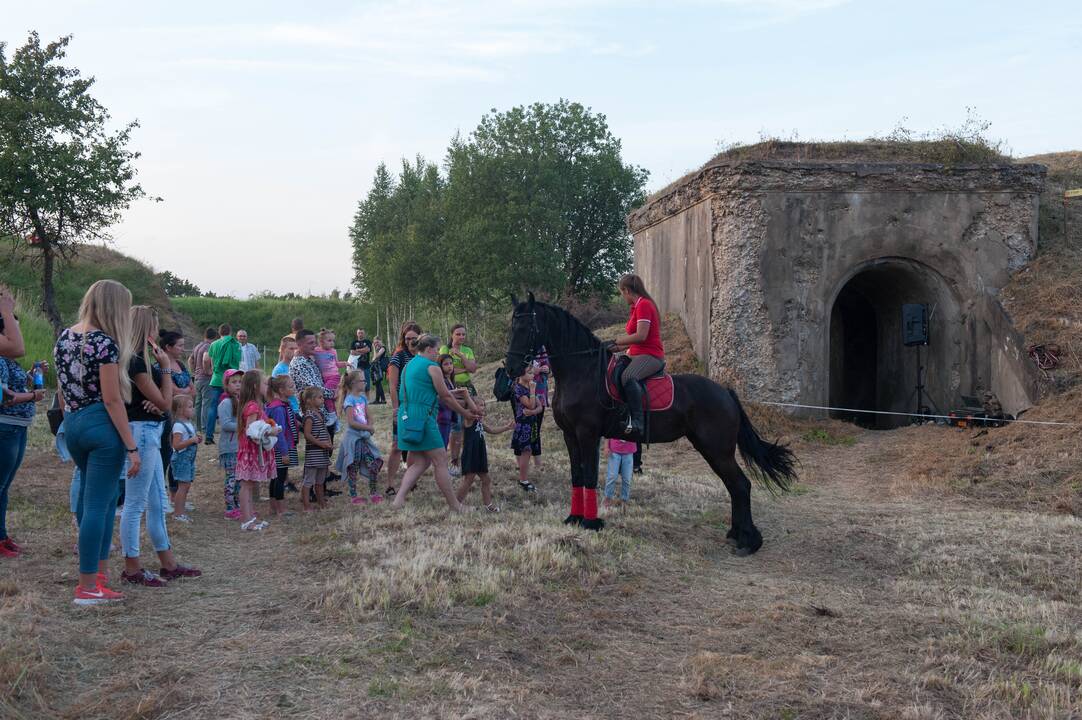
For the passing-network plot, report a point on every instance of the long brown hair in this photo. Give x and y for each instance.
(633, 283)
(250, 391)
(406, 327)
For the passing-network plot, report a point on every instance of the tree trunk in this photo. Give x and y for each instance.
(48, 296)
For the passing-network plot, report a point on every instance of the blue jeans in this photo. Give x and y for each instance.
(367, 377)
(145, 491)
(12, 449)
(98, 452)
(214, 394)
(619, 464)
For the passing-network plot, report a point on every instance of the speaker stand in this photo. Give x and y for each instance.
(921, 395)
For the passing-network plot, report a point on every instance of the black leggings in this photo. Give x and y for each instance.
(278, 484)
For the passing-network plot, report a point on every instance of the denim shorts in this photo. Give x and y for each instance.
(183, 464)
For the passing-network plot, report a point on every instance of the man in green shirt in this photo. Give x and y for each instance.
(465, 366)
(223, 354)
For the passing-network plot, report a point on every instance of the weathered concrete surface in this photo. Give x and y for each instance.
(791, 277)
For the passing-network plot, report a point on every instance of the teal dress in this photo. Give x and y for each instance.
(417, 386)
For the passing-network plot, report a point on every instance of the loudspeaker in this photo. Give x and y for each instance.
(914, 324)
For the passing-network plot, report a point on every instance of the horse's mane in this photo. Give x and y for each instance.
(572, 330)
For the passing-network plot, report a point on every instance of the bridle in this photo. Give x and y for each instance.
(528, 356)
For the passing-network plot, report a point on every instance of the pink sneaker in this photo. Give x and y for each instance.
(233, 515)
(359, 500)
(375, 498)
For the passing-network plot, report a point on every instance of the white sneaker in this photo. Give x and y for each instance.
(189, 507)
(182, 518)
(255, 524)
(454, 471)
(169, 508)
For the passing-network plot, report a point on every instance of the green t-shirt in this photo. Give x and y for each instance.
(224, 355)
(461, 378)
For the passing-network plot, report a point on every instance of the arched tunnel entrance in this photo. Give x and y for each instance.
(870, 367)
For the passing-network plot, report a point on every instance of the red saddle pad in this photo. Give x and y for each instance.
(659, 389)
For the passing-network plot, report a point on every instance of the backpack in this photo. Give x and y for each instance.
(504, 387)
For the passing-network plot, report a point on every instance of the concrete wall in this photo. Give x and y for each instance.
(786, 238)
(673, 258)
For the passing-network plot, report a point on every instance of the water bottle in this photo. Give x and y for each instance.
(39, 375)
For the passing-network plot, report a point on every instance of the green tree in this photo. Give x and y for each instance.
(398, 238)
(537, 198)
(177, 286)
(64, 177)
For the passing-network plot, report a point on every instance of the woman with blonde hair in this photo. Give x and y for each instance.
(91, 360)
(151, 398)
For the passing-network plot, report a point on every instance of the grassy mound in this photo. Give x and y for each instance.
(73, 277)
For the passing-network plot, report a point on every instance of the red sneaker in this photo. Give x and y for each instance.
(233, 515)
(97, 596)
(143, 577)
(5, 551)
(11, 545)
(181, 571)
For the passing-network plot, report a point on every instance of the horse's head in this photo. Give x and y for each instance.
(527, 335)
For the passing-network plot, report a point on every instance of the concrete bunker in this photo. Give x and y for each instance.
(870, 367)
(790, 277)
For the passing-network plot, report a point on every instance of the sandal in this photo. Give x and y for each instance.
(390, 491)
(492, 508)
(527, 486)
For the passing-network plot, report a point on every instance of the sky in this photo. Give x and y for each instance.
(262, 122)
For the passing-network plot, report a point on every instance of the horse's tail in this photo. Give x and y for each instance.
(771, 464)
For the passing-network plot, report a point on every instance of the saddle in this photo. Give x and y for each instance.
(659, 388)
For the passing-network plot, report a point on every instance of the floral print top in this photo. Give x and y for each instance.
(78, 358)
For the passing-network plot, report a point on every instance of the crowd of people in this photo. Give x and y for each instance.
(133, 411)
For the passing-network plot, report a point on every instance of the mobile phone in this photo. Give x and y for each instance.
(153, 344)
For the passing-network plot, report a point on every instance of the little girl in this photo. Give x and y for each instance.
(185, 443)
(621, 456)
(329, 366)
(317, 447)
(227, 441)
(445, 417)
(475, 452)
(358, 455)
(255, 464)
(282, 392)
(522, 440)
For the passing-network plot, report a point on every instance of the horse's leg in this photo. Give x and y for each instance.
(574, 457)
(743, 531)
(589, 449)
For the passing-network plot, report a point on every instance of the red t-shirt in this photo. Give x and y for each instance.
(643, 309)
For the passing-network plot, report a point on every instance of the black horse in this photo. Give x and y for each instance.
(709, 415)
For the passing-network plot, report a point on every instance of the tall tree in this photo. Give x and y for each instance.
(64, 177)
(398, 238)
(537, 197)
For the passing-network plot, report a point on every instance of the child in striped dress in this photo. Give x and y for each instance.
(317, 447)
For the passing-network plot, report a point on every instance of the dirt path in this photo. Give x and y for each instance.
(864, 602)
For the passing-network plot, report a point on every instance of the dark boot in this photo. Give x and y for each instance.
(633, 394)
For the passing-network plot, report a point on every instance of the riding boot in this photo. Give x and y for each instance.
(633, 394)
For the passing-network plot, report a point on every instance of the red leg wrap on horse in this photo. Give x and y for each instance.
(576, 501)
(589, 501)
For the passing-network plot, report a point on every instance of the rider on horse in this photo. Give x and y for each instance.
(643, 344)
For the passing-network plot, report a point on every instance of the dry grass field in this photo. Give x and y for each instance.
(879, 593)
